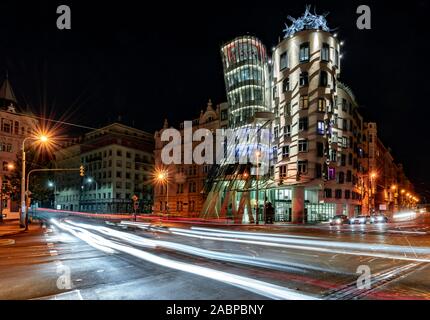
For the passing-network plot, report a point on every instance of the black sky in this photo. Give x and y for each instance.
(147, 62)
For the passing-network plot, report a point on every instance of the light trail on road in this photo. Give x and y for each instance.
(260, 287)
(311, 245)
(307, 241)
(209, 254)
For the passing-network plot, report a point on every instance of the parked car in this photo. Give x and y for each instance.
(360, 220)
(339, 220)
(378, 218)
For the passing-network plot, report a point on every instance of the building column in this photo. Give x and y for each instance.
(298, 204)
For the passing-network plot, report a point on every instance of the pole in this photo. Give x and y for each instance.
(55, 196)
(1, 199)
(371, 195)
(97, 188)
(167, 195)
(256, 196)
(22, 218)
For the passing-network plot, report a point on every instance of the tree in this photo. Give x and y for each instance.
(38, 184)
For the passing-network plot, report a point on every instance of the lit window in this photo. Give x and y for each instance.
(321, 128)
(303, 124)
(283, 171)
(304, 52)
(345, 142)
(283, 61)
(336, 58)
(276, 132)
(331, 173)
(304, 102)
(287, 109)
(325, 52)
(275, 153)
(304, 79)
(285, 152)
(322, 105)
(286, 85)
(303, 145)
(333, 155)
(302, 166)
(323, 79)
(287, 131)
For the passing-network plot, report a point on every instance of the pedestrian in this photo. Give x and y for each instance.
(270, 213)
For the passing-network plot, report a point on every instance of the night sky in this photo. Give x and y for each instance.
(148, 62)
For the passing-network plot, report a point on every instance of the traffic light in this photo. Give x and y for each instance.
(82, 171)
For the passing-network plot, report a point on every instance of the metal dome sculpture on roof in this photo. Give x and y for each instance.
(308, 21)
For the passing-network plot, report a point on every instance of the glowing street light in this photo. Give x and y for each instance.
(162, 177)
(373, 176)
(43, 139)
(90, 181)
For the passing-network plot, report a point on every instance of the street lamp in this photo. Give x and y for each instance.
(24, 212)
(373, 176)
(395, 197)
(162, 176)
(91, 180)
(53, 185)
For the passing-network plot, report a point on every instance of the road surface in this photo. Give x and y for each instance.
(69, 257)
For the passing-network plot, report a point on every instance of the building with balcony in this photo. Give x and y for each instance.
(118, 162)
(14, 127)
(325, 160)
(183, 194)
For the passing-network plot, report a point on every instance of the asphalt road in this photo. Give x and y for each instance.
(78, 258)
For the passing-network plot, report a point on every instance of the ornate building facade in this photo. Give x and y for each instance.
(118, 162)
(182, 193)
(324, 157)
(14, 127)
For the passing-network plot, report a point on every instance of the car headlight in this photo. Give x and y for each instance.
(331, 221)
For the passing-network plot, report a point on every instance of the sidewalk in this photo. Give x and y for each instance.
(10, 227)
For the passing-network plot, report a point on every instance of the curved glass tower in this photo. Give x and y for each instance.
(246, 75)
